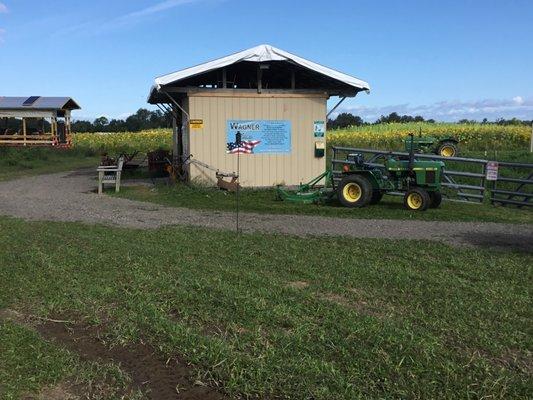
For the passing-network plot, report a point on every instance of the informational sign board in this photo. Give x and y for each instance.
(492, 171)
(258, 136)
(320, 128)
(196, 123)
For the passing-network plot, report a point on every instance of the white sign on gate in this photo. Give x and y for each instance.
(492, 171)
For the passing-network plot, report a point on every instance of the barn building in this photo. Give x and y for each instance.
(263, 108)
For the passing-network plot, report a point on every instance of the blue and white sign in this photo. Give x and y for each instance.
(320, 128)
(258, 136)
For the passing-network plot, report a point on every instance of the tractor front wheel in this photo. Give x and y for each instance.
(435, 199)
(416, 199)
(448, 149)
(354, 191)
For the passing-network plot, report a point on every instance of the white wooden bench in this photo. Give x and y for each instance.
(110, 174)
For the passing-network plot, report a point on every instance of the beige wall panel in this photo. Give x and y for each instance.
(209, 144)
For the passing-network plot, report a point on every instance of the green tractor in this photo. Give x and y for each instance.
(445, 147)
(420, 181)
(362, 184)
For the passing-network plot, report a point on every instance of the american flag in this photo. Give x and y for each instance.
(243, 147)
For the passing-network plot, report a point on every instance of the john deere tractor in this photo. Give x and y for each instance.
(445, 147)
(420, 181)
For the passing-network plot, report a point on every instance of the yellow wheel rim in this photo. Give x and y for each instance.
(414, 201)
(352, 192)
(447, 151)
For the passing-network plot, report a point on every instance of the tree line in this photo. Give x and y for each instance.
(345, 120)
(145, 119)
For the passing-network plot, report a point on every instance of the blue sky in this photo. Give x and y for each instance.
(442, 59)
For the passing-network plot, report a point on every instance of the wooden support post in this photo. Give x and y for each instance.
(175, 147)
(259, 79)
(224, 79)
(293, 80)
(24, 130)
(100, 182)
(67, 130)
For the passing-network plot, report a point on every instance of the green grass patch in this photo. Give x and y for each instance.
(264, 201)
(279, 316)
(16, 162)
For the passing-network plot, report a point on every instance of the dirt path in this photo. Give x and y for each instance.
(157, 377)
(70, 197)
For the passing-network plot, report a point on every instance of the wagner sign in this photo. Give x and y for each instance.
(258, 136)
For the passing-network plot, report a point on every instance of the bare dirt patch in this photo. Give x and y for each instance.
(298, 285)
(155, 376)
(62, 391)
(360, 306)
(513, 359)
(517, 360)
(7, 314)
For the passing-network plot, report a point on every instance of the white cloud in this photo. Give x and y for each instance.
(156, 8)
(452, 110)
(3, 8)
(124, 115)
(131, 18)
(518, 100)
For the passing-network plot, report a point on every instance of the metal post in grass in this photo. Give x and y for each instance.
(238, 139)
(531, 139)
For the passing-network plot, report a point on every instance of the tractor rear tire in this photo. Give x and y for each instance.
(354, 191)
(435, 199)
(377, 195)
(448, 149)
(416, 199)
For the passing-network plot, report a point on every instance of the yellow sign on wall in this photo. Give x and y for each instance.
(196, 123)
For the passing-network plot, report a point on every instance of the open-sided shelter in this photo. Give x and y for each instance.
(263, 108)
(36, 121)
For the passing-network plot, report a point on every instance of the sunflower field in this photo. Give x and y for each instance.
(473, 137)
(115, 143)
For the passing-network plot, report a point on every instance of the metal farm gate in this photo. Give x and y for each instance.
(465, 179)
(514, 184)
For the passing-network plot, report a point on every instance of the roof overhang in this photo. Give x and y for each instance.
(38, 103)
(345, 85)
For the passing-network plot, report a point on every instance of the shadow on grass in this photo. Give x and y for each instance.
(500, 241)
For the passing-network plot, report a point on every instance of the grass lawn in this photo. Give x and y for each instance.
(264, 315)
(264, 201)
(18, 162)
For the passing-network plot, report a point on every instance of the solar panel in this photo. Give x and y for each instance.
(30, 100)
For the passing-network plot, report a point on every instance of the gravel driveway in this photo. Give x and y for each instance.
(70, 197)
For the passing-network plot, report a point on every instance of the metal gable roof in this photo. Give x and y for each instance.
(262, 53)
(41, 103)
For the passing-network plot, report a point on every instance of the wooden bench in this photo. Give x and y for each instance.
(110, 174)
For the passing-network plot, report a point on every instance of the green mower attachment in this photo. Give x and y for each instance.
(308, 193)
